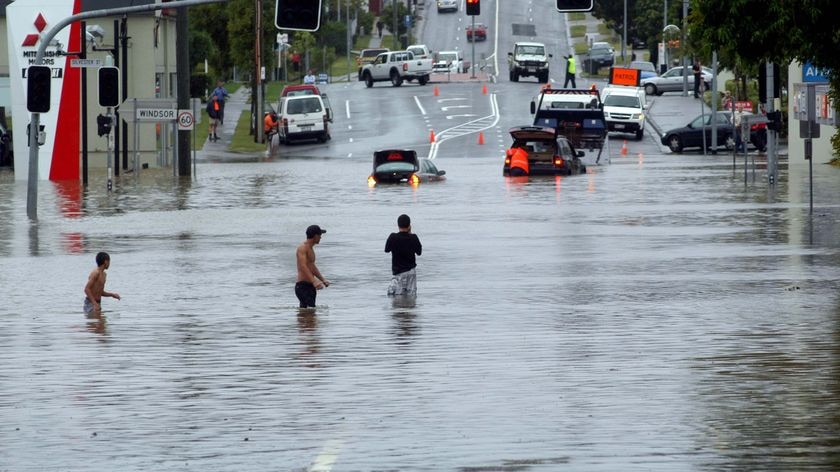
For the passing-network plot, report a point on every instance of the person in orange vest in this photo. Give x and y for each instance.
(519, 162)
(270, 124)
(214, 113)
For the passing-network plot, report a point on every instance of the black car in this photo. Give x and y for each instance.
(401, 166)
(601, 54)
(549, 153)
(691, 135)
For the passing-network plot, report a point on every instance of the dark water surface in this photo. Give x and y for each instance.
(655, 314)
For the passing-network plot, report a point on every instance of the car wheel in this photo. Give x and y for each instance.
(544, 77)
(640, 134)
(729, 144)
(514, 76)
(396, 80)
(675, 143)
(368, 80)
(650, 89)
(423, 79)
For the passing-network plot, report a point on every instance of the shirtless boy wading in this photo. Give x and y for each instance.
(309, 278)
(95, 287)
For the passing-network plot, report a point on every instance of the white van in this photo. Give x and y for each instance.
(303, 117)
(624, 109)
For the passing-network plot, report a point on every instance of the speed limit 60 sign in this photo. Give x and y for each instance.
(186, 120)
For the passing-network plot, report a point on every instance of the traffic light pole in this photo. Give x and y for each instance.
(35, 118)
(110, 118)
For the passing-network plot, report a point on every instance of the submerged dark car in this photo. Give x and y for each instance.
(548, 153)
(691, 135)
(401, 166)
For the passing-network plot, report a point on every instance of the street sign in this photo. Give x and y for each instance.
(154, 114)
(186, 120)
(128, 109)
(283, 38)
(94, 63)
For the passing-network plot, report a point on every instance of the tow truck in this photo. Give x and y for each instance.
(577, 114)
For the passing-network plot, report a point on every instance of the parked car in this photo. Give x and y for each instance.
(420, 51)
(449, 61)
(647, 69)
(303, 117)
(401, 166)
(548, 152)
(307, 89)
(691, 135)
(672, 81)
(601, 54)
(447, 5)
(479, 33)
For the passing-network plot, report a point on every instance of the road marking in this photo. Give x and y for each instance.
(417, 100)
(327, 457)
(470, 127)
(441, 100)
(455, 106)
(449, 117)
(347, 108)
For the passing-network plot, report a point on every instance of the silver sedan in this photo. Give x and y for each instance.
(672, 81)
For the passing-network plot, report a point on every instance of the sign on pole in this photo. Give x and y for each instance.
(186, 120)
(94, 63)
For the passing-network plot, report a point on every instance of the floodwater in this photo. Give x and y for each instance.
(655, 314)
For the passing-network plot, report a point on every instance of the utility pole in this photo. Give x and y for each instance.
(258, 119)
(683, 47)
(771, 134)
(182, 69)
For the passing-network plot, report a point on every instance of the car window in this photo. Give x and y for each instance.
(564, 148)
(401, 166)
(536, 50)
(622, 101)
(447, 57)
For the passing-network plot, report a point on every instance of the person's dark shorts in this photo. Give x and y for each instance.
(306, 292)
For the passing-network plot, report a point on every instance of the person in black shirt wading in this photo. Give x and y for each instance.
(403, 245)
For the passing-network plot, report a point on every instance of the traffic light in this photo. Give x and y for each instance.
(774, 120)
(565, 6)
(103, 125)
(301, 15)
(473, 7)
(38, 82)
(109, 86)
(762, 82)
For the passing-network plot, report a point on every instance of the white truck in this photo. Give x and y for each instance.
(450, 61)
(528, 59)
(396, 66)
(624, 109)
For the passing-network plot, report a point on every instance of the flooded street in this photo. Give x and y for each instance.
(654, 314)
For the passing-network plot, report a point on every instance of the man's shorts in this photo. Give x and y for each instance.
(306, 292)
(88, 306)
(404, 283)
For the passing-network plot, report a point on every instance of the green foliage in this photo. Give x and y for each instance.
(202, 47)
(334, 36)
(387, 17)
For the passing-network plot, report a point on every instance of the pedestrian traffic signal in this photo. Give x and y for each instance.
(301, 15)
(103, 125)
(473, 7)
(774, 120)
(109, 86)
(762, 82)
(566, 6)
(38, 82)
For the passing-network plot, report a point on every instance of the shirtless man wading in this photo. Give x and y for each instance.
(309, 278)
(95, 287)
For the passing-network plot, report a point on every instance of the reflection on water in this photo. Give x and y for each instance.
(633, 315)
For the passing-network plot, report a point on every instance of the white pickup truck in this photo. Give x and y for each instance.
(396, 66)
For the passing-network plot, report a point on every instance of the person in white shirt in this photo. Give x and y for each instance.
(309, 78)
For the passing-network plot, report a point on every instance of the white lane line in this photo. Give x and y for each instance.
(417, 100)
(455, 106)
(327, 457)
(450, 117)
(347, 108)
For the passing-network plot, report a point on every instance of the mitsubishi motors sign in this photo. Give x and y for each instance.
(26, 22)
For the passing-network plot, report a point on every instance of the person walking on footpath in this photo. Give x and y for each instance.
(222, 94)
(571, 70)
(309, 278)
(213, 112)
(698, 77)
(403, 246)
(95, 287)
(379, 26)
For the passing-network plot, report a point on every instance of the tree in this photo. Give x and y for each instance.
(778, 31)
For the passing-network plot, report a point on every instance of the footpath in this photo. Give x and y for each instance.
(238, 102)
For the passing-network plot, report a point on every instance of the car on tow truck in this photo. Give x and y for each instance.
(401, 166)
(549, 153)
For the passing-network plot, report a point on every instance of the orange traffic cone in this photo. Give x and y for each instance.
(480, 137)
(624, 148)
(484, 89)
(437, 92)
(432, 136)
